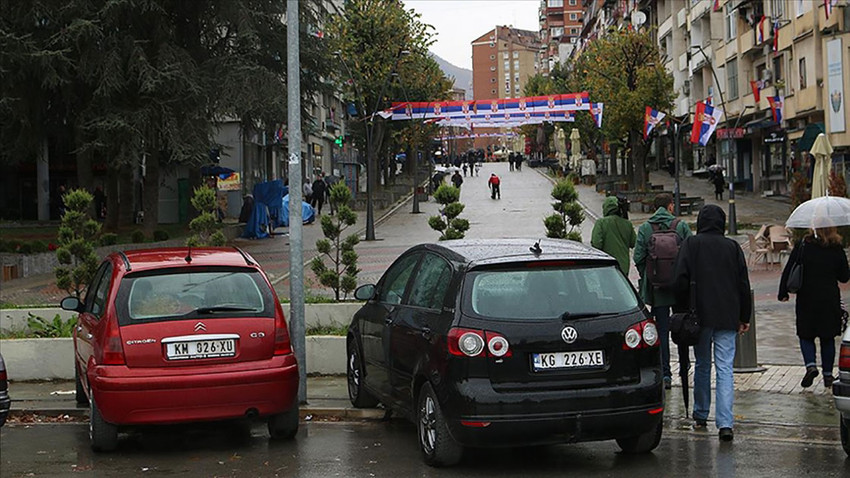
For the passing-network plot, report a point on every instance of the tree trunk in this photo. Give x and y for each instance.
(612, 160)
(637, 163)
(150, 197)
(125, 196)
(112, 206)
(43, 180)
(85, 175)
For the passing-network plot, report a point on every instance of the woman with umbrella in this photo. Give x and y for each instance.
(824, 265)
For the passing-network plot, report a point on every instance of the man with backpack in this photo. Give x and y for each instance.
(658, 242)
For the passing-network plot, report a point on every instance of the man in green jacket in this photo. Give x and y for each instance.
(658, 299)
(614, 234)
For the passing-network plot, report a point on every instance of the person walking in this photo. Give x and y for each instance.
(457, 180)
(511, 161)
(818, 307)
(718, 268)
(494, 183)
(464, 166)
(719, 184)
(320, 191)
(614, 234)
(658, 298)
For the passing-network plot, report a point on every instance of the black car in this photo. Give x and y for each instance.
(511, 342)
(5, 401)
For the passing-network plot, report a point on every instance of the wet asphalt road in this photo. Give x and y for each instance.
(390, 449)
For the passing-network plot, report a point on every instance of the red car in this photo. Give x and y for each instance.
(182, 335)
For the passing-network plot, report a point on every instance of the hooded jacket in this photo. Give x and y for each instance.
(649, 294)
(613, 234)
(717, 266)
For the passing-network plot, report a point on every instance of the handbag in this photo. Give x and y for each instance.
(795, 277)
(685, 326)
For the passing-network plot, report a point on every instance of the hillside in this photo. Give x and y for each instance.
(462, 76)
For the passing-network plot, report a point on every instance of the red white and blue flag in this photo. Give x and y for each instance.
(278, 134)
(716, 5)
(705, 122)
(776, 104)
(827, 7)
(651, 119)
(761, 30)
(757, 86)
(596, 112)
(776, 35)
(459, 109)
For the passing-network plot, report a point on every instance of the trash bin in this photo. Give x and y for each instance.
(421, 194)
(746, 357)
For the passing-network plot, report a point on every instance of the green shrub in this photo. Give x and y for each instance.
(75, 253)
(565, 221)
(137, 236)
(108, 239)
(341, 276)
(447, 223)
(160, 235)
(56, 328)
(205, 227)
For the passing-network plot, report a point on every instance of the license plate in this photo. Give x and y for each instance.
(199, 349)
(587, 358)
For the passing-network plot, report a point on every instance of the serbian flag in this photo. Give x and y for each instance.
(761, 30)
(705, 122)
(827, 8)
(716, 5)
(776, 35)
(708, 101)
(776, 103)
(757, 86)
(650, 119)
(596, 112)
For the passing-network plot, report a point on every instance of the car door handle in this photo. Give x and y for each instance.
(426, 332)
(89, 336)
(79, 328)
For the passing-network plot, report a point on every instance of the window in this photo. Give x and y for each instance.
(516, 88)
(431, 283)
(492, 68)
(96, 295)
(731, 22)
(574, 39)
(505, 55)
(492, 57)
(777, 69)
(803, 6)
(395, 282)
(803, 82)
(574, 31)
(492, 45)
(516, 54)
(732, 79)
(516, 77)
(557, 31)
(516, 65)
(493, 80)
(573, 2)
(778, 8)
(493, 92)
(555, 3)
(507, 66)
(573, 16)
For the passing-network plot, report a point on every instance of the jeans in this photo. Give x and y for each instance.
(724, 355)
(662, 320)
(827, 353)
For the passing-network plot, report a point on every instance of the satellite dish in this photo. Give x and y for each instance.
(638, 18)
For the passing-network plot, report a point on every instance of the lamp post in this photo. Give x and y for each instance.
(733, 221)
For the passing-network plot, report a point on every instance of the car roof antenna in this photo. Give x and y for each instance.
(535, 249)
(189, 255)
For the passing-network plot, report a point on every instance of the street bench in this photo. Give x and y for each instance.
(689, 204)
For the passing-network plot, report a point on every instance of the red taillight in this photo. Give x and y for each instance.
(844, 358)
(497, 345)
(282, 345)
(3, 380)
(113, 350)
(477, 343)
(641, 335)
(655, 411)
(468, 423)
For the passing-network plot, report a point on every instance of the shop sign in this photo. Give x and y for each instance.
(232, 182)
(775, 137)
(730, 133)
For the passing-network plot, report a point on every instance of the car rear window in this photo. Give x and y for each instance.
(189, 293)
(533, 293)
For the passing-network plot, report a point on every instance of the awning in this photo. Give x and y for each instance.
(812, 131)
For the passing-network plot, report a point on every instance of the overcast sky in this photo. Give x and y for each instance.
(458, 22)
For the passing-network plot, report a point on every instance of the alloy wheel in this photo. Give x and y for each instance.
(427, 431)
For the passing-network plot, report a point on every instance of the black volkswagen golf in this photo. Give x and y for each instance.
(510, 342)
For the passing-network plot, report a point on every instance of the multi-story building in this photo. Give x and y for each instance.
(503, 60)
(560, 29)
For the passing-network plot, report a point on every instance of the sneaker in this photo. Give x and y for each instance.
(809, 378)
(726, 434)
(700, 423)
(668, 383)
(827, 381)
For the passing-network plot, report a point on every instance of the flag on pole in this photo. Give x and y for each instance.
(761, 30)
(716, 5)
(278, 134)
(596, 113)
(776, 35)
(757, 86)
(708, 100)
(776, 104)
(650, 119)
(705, 122)
(827, 8)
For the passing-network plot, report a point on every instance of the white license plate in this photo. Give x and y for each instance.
(199, 349)
(587, 358)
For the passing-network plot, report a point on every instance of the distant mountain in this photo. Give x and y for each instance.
(462, 76)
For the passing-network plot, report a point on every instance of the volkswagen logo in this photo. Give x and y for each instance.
(569, 334)
(201, 327)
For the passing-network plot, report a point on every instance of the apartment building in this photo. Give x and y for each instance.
(560, 29)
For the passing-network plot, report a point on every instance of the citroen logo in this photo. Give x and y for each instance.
(569, 334)
(200, 327)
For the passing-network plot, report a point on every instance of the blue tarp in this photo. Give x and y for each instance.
(271, 210)
(307, 213)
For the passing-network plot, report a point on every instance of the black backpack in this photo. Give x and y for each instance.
(663, 248)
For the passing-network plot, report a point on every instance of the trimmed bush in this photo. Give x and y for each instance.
(160, 235)
(137, 236)
(108, 239)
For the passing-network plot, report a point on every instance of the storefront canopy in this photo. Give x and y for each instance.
(809, 135)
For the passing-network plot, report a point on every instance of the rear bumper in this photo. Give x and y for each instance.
(841, 394)
(128, 396)
(531, 418)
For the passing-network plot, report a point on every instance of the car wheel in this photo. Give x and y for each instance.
(845, 434)
(80, 392)
(103, 435)
(644, 443)
(437, 445)
(284, 426)
(357, 393)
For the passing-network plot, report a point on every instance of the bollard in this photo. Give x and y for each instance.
(746, 358)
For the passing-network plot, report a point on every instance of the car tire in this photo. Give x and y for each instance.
(845, 434)
(357, 393)
(80, 392)
(103, 435)
(643, 443)
(436, 443)
(284, 426)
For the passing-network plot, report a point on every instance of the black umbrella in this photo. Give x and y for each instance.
(684, 367)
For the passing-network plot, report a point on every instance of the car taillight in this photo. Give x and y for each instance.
(641, 335)
(113, 350)
(282, 345)
(3, 380)
(844, 357)
(475, 343)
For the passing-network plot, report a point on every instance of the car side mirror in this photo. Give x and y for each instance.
(365, 292)
(72, 304)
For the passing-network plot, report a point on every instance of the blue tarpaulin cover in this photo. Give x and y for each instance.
(307, 213)
(271, 210)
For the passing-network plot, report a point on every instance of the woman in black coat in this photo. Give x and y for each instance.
(818, 300)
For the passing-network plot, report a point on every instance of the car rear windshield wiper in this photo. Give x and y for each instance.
(584, 315)
(222, 308)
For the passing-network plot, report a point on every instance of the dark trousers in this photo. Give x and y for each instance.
(662, 320)
(495, 192)
(827, 353)
(317, 202)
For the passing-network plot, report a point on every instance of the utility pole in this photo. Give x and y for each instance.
(296, 252)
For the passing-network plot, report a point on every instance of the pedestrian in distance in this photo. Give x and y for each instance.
(614, 234)
(330, 180)
(719, 184)
(477, 168)
(457, 180)
(463, 167)
(308, 191)
(494, 183)
(511, 161)
(320, 191)
(471, 161)
(656, 272)
(518, 161)
(818, 308)
(718, 269)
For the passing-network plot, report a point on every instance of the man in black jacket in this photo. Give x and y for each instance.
(718, 269)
